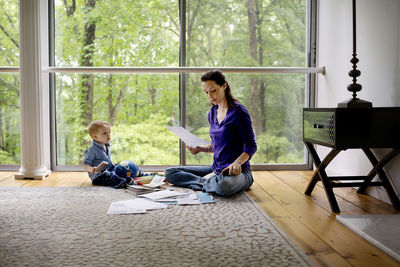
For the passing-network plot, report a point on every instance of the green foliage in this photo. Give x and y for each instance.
(6, 158)
(148, 142)
(139, 106)
(9, 84)
(277, 150)
(9, 33)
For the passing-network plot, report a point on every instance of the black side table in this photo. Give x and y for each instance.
(352, 128)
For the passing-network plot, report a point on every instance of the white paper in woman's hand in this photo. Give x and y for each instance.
(187, 137)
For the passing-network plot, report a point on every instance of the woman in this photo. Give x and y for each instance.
(232, 142)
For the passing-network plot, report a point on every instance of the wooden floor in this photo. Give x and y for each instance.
(308, 221)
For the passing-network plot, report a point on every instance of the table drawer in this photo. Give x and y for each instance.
(319, 126)
(343, 128)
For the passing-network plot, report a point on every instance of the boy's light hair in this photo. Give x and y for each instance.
(94, 126)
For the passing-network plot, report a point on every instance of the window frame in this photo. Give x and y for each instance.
(310, 70)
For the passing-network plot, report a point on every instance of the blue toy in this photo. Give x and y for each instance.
(127, 168)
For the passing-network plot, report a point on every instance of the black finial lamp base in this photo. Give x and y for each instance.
(355, 103)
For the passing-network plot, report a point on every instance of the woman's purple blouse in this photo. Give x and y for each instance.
(233, 136)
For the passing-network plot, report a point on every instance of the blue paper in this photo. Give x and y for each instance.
(205, 197)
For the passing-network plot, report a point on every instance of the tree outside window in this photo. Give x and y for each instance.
(146, 33)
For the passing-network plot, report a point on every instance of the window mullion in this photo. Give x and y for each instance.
(182, 76)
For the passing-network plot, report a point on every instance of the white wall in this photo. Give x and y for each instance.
(378, 49)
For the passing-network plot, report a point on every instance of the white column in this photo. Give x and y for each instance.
(34, 96)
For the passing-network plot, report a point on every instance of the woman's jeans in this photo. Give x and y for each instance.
(223, 185)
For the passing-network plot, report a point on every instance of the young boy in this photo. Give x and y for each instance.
(100, 151)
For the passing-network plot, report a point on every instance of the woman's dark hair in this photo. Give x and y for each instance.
(219, 78)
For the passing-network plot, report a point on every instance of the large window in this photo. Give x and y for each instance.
(139, 107)
(252, 34)
(9, 84)
(117, 33)
(92, 41)
(275, 109)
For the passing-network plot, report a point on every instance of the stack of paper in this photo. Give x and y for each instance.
(139, 189)
(137, 205)
(180, 198)
(156, 182)
(158, 200)
(164, 194)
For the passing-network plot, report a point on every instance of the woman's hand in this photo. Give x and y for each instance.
(234, 169)
(193, 150)
(197, 149)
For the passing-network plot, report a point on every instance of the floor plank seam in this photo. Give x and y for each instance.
(305, 225)
(337, 195)
(303, 195)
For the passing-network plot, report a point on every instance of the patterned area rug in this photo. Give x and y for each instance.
(70, 227)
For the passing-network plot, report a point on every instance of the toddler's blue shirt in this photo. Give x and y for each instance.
(94, 155)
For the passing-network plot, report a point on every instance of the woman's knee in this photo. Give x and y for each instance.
(169, 171)
(169, 174)
(225, 188)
